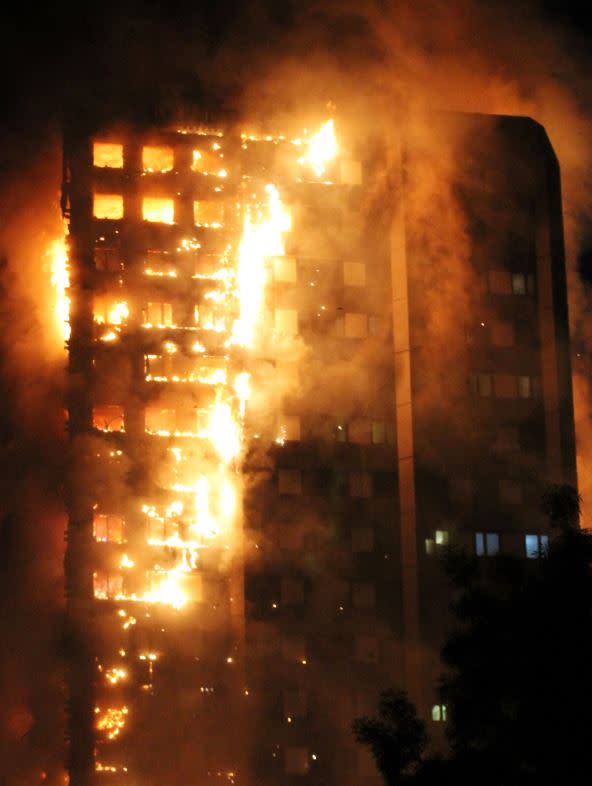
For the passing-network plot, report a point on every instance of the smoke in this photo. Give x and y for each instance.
(276, 65)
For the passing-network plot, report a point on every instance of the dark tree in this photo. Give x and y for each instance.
(518, 676)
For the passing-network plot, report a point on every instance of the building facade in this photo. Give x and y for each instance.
(300, 368)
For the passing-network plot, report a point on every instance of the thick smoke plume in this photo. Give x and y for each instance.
(279, 65)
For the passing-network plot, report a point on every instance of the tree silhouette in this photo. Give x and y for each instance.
(517, 682)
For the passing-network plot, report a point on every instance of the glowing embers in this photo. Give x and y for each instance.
(262, 237)
(60, 281)
(108, 155)
(108, 206)
(108, 417)
(114, 675)
(208, 213)
(157, 159)
(111, 721)
(158, 210)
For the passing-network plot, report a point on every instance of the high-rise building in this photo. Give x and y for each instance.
(300, 368)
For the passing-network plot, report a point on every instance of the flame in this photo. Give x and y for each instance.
(118, 313)
(322, 148)
(261, 238)
(112, 721)
(60, 280)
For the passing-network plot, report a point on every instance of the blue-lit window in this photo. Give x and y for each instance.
(536, 546)
(487, 544)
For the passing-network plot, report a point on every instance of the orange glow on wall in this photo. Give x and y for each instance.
(109, 206)
(107, 155)
(157, 159)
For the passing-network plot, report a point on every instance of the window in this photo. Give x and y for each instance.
(502, 334)
(284, 269)
(108, 417)
(339, 429)
(158, 419)
(354, 274)
(363, 596)
(208, 213)
(158, 210)
(107, 155)
(108, 206)
(107, 260)
(296, 761)
(360, 431)
(107, 528)
(441, 538)
(536, 546)
(286, 321)
(505, 385)
(525, 387)
(510, 492)
(374, 325)
(289, 429)
(290, 481)
(507, 438)
(158, 314)
(360, 484)
(481, 385)
(499, 282)
(429, 546)
(439, 713)
(107, 585)
(206, 162)
(362, 539)
(487, 544)
(292, 592)
(518, 284)
(378, 432)
(156, 366)
(157, 159)
(356, 325)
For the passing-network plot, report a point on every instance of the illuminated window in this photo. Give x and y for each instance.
(107, 155)
(289, 481)
(487, 544)
(362, 539)
(367, 649)
(518, 284)
(289, 430)
(108, 528)
(208, 213)
(441, 537)
(284, 269)
(107, 585)
(354, 274)
(355, 325)
(158, 314)
(360, 484)
(108, 206)
(525, 387)
(109, 311)
(158, 210)
(158, 419)
(536, 546)
(286, 321)
(363, 595)
(157, 159)
(108, 417)
(430, 546)
(158, 366)
(510, 492)
(292, 592)
(296, 761)
(206, 161)
(378, 432)
(439, 713)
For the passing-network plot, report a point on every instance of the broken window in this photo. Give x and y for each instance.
(108, 528)
(157, 159)
(108, 206)
(158, 210)
(208, 213)
(107, 585)
(108, 417)
(160, 314)
(107, 155)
